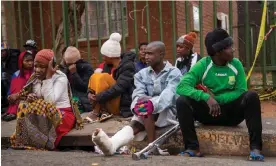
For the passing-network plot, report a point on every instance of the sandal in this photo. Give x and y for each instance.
(191, 153)
(255, 157)
(9, 117)
(105, 116)
(88, 120)
(3, 115)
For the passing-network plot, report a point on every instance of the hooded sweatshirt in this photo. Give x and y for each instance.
(19, 79)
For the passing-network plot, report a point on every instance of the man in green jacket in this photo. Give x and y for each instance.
(227, 102)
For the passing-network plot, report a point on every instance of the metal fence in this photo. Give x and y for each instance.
(93, 21)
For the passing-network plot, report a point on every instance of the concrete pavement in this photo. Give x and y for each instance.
(40, 158)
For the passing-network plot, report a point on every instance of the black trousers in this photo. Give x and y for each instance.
(247, 107)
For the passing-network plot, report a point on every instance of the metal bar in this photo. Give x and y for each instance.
(201, 29)
(215, 14)
(187, 16)
(10, 29)
(75, 25)
(53, 25)
(109, 18)
(41, 24)
(174, 31)
(30, 19)
(135, 28)
(273, 43)
(87, 30)
(230, 18)
(264, 63)
(20, 24)
(65, 22)
(123, 25)
(160, 19)
(247, 39)
(148, 21)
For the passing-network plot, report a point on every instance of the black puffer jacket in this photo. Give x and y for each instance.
(79, 83)
(124, 86)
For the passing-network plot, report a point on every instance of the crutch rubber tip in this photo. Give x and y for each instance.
(135, 156)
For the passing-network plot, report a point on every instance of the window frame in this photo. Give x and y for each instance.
(224, 18)
(107, 24)
(194, 26)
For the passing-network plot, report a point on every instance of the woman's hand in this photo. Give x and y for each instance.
(31, 97)
(13, 97)
(50, 70)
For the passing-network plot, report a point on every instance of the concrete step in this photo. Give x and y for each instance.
(214, 140)
(218, 140)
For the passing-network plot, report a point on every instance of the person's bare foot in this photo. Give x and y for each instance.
(93, 116)
(256, 151)
(255, 155)
(189, 152)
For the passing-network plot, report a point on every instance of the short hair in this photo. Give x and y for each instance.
(159, 44)
(143, 44)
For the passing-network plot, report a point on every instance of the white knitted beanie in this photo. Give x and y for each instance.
(112, 48)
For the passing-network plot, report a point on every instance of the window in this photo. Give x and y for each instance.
(196, 18)
(224, 21)
(218, 23)
(115, 19)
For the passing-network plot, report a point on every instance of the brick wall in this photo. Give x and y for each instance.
(207, 12)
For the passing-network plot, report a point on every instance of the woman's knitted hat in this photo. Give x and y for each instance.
(112, 48)
(44, 56)
(188, 40)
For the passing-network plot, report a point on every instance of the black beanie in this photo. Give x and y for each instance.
(217, 40)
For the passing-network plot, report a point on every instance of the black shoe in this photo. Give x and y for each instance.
(9, 117)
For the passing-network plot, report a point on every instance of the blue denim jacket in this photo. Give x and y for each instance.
(161, 87)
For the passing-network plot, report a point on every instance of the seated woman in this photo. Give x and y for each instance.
(19, 79)
(153, 102)
(46, 113)
(111, 93)
(187, 58)
(228, 101)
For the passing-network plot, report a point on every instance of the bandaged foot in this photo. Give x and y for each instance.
(109, 145)
(103, 142)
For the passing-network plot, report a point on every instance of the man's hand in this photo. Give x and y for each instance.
(214, 107)
(31, 97)
(143, 108)
(72, 68)
(143, 98)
